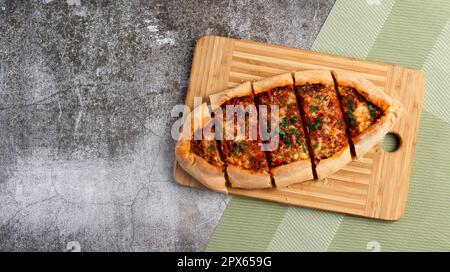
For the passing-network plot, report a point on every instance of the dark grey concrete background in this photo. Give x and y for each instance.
(86, 90)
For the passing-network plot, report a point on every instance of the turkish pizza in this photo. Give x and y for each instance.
(284, 129)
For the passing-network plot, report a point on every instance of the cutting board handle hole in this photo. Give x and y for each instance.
(391, 142)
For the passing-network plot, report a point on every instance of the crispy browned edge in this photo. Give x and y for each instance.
(313, 77)
(239, 177)
(291, 173)
(392, 109)
(331, 165)
(209, 175)
(328, 166)
(269, 83)
(248, 179)
(217, 99)
(294, 172)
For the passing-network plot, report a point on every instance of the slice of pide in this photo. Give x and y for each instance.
(199, 155)
(369, 111)
(247, 166)
(324, 121)
(289, 159)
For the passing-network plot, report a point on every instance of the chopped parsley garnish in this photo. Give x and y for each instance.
(303, 147)
(314, 125)
(319, 97)
(285, 138)
(285, 122)
(315, 146)
(372, 111)
(294, 118)
(238, 148)
(212, 147)
(351, 118)
(314, 108)
(291, 131)
(240, 144)
(323, 147)
(298, 136)
(350, 107)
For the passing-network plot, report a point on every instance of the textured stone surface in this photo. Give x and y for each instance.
(86, 90)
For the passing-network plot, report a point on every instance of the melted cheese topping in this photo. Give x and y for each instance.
(360, 113)
(242, 151)
(324, 120)
(292, 143)
(208, 150)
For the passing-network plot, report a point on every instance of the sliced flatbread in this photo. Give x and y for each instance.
(201, 158)
(247, 166)
(369, 111)
(289, 159)
(324, 121)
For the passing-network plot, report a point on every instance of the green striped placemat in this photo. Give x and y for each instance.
(409, 33)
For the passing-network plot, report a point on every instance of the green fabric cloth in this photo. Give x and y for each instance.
(409, 33)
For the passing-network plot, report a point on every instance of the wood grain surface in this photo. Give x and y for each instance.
(375, 186)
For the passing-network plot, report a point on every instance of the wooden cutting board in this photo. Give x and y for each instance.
(375, 186)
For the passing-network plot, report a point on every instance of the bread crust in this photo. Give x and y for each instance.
(364, 87)
(331, 165)
(219, 98)
(270, 83)
(392, 109)
(294, 172)
(211, 176)
(374, 134)
(313, 77)
(248, 179)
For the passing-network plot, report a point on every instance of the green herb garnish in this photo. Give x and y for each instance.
(350, 108)
(291, 131)
(294, 118)
(240, 144)
(298, 136)
(238, 148)
(303, 147)
(212, 147)
(318, 97)
(351, 118)
(350, 105)
(372, 111)
(314, 108)
(285, 138)
(315, 146)
(314, 126)
(285, 122)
